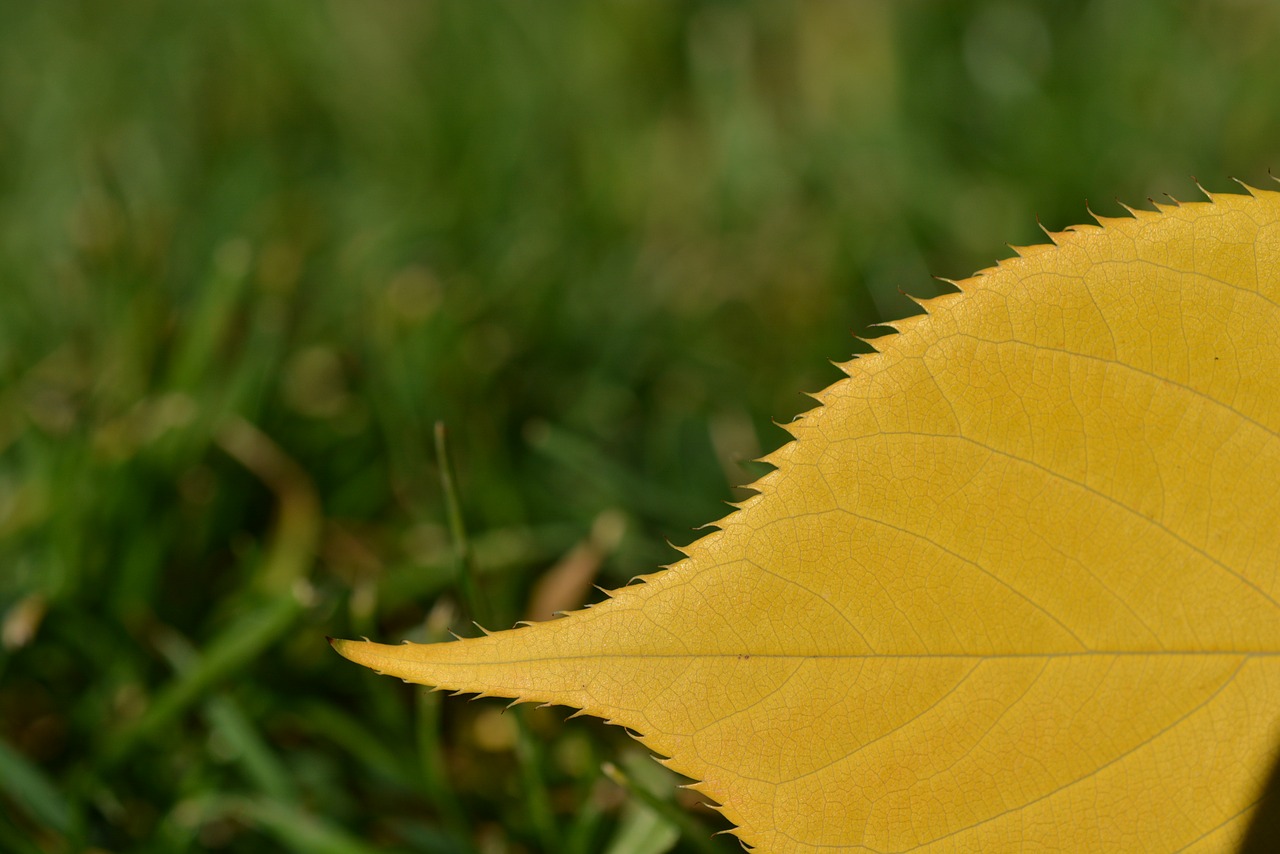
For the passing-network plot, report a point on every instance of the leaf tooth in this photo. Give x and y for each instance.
(906, 325)
(1089, 210)
(774, 458)
(922, 303)
(790, 426)
(1052, 235)
(846, 367)
(815, 396)
(1106, 222)
(684, 550)
(1023, 252)
(1133, 212)
(1248, 189)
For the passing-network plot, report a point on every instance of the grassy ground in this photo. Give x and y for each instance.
(250, 253)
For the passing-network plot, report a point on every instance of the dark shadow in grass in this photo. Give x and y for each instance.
(1263, 836)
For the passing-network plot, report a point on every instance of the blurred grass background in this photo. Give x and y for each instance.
(250, 253)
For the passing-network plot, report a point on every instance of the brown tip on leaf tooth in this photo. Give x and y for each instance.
(1047, 233)
(915, 299)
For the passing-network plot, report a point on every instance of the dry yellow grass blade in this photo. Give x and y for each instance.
(1013, 586)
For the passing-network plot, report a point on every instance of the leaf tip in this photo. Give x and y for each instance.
(340, 646)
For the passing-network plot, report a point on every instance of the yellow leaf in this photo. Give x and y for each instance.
(1014, 586)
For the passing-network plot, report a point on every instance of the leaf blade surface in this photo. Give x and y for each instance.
(1014, 583)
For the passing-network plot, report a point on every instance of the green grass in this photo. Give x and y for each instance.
(250, 254)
